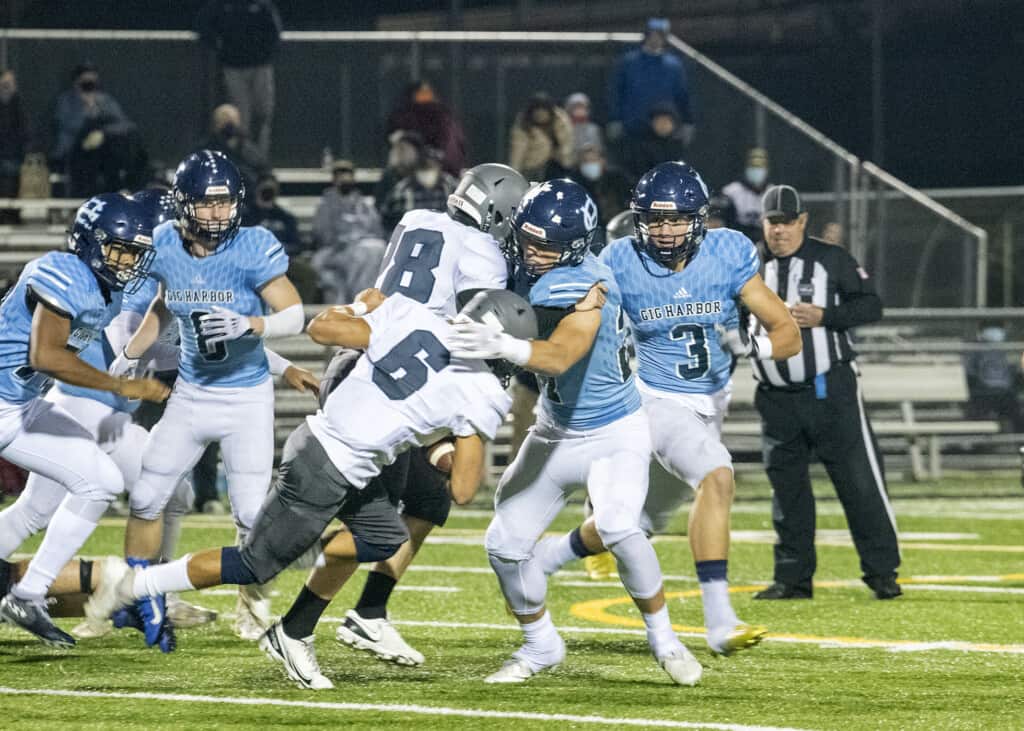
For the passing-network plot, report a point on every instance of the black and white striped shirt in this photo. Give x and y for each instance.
(827, 276)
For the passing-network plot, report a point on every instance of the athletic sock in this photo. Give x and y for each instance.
(543, 647)
(373, 603)
(714, 590)
(555, 552)
(660, 635)
(69, 529)
(301, 619)
(162, 578)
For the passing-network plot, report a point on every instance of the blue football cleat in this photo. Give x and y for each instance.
(126, 617)
(31, 616)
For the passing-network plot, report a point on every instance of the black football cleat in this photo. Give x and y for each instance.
(31, 616)
(785, 591)
(885, 587)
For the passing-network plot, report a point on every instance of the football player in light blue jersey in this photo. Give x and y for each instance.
(217, 279)
(592, 431)
(58, 307)
(680, 285)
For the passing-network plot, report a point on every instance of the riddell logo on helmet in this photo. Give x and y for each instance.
(217, 190)
(663, 206)
(534, 230)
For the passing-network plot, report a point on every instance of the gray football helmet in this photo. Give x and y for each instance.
(511, 313)
(620, 226)
(488, 194)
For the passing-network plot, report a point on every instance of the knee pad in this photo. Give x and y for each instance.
(522, 582)
(501, 541)
(372, 552)
(151, 493)
(615, 526)
(638, 565)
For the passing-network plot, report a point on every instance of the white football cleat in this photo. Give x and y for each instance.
(252, 611)
(513, 671)
(682, 666)
(182, 614)
(377, 636)
(113, 589)
(297, 656)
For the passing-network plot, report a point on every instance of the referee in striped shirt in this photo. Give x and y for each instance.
(812, 403)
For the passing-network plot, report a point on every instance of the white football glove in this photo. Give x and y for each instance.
(739, 343)
(123, 366)
(223, 324)
(477, 340)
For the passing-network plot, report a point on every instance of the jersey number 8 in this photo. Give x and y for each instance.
(410, 262)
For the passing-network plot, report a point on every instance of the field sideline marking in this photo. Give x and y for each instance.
(391, 708)
(595, 611)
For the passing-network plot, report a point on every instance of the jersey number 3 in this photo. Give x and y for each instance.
(403, 371)
(412, 261)
(698, 356)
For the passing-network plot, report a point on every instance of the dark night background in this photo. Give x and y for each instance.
(952, 90)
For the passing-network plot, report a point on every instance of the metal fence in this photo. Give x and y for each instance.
(334, 89)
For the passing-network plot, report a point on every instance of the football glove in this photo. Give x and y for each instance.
(223, 324)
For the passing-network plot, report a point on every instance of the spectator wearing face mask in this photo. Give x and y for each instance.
(420, 110)
(744, 212)
(541, 140)
(661, 142)
(347, 233)
(404, 153)
(95, 142)
(427, 188)
(228, 136)
(585, 133)
(607, 185)
(14, 141)
(262, 209)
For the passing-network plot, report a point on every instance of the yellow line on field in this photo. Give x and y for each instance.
(595, 610)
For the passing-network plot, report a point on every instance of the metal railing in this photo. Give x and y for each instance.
(332, 92)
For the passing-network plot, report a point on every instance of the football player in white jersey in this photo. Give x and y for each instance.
(418, 394)
(218, 279)
(439, 259)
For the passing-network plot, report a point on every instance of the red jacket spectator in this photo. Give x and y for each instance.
(419, 110)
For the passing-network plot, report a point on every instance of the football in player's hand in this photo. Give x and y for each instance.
(441, 455)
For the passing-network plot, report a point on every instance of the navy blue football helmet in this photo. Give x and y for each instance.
(159, 204)
(668, 192)
(113, 235)
(208, 177)
(559, 215)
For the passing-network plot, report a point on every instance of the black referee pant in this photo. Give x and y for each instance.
(828, 419)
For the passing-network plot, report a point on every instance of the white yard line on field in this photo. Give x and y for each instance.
(402, 708)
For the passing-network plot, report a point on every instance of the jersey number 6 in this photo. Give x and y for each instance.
(403, 371)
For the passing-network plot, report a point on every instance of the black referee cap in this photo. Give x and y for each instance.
(781, 201)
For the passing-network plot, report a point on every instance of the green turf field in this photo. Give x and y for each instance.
(948, 654)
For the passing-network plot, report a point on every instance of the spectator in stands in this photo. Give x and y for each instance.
(607, 185)
(14, 140)
(245, 37)
(993, 381)
(344, 216)
(419, 110)
(346, 229)
(585, 133)
(427, 188)
(663, 141)
(228, 136)
(404, 152)
(645, 77)
(541, 140)
(832, 233)
(96, 143)
(262, 209)
(744, 213)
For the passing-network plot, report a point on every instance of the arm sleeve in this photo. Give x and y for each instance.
(859, 304)
(270, 261)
